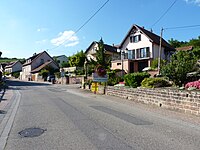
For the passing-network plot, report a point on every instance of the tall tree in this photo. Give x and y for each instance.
(102, 58)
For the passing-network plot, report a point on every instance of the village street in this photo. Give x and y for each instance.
(65, 117)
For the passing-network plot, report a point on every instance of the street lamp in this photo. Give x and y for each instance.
(122, 53)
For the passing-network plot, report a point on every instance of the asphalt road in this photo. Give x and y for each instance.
(72, 119)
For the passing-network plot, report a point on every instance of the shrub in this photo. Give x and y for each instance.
(155, 82)
(134, 79)
(113, 78)
(7, 73)
(195, 84)
(16, 74)
(44, 73)
(58, 75)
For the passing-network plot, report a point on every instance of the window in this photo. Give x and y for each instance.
(136, 38)
(131, 54)
(118, 64)
(42, 61)
(143, 52)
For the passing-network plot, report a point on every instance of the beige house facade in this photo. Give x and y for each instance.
(33, 65)
(13, 67)
(110, 51)
(139, 48)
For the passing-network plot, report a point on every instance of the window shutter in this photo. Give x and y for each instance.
(139, 36)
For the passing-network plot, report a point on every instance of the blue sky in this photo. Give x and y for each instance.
(29, 26)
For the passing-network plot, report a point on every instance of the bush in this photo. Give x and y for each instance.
(113, 78)
(134, 79)
(44, 73)
(155, 82)
(58, 75)
(16, 74)
(195, 84)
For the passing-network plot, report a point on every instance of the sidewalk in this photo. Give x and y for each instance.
(5, 98)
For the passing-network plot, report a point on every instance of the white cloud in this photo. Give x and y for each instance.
(66, 38)
(42, 29)
(197, 2)
(41, 41)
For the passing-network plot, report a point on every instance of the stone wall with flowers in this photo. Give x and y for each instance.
(179, 100)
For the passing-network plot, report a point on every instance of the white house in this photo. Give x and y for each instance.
(61, 59)
(13, 67)
(139, 48)
(33, 65)
(110, 51)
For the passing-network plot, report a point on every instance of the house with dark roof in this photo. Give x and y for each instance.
(110, 51)
(13, 67)
(61, 59)
(139, 48)
(34, 64)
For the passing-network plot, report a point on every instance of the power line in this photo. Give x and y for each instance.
(182, 27)
(86, 22)
(164, 13)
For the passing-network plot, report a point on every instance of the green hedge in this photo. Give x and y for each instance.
(155, 82)
(134, 79)
(113, 79)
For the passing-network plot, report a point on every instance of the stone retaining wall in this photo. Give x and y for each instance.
(179, 100)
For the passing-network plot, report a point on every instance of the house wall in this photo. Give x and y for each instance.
(40, 60)
(17, 67)
(156, 52)
(145, 42)
(62, 59)
(90, 53)
(117, 64)
(25, 74)
(8, 70)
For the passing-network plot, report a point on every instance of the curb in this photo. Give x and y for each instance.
(7, 122)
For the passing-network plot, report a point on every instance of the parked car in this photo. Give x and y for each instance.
(50, 78)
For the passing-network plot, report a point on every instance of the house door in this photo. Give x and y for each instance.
(142, 65)
(33, 77)
(131, 69)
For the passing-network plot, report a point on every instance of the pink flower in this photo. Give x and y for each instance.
(193, 84)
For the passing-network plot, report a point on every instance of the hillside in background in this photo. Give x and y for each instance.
(7, 60)
(193, 42)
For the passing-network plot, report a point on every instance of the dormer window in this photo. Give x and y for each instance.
(135, 39)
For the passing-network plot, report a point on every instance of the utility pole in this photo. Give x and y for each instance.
(160, 51)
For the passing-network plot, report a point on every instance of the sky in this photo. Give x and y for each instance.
(32, 26)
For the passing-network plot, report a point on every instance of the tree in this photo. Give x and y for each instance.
(102, 58)
(181, 63)
(77, 60)
(65, 64)
(0, 53)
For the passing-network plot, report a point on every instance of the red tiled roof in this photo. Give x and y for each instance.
(185, 48)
